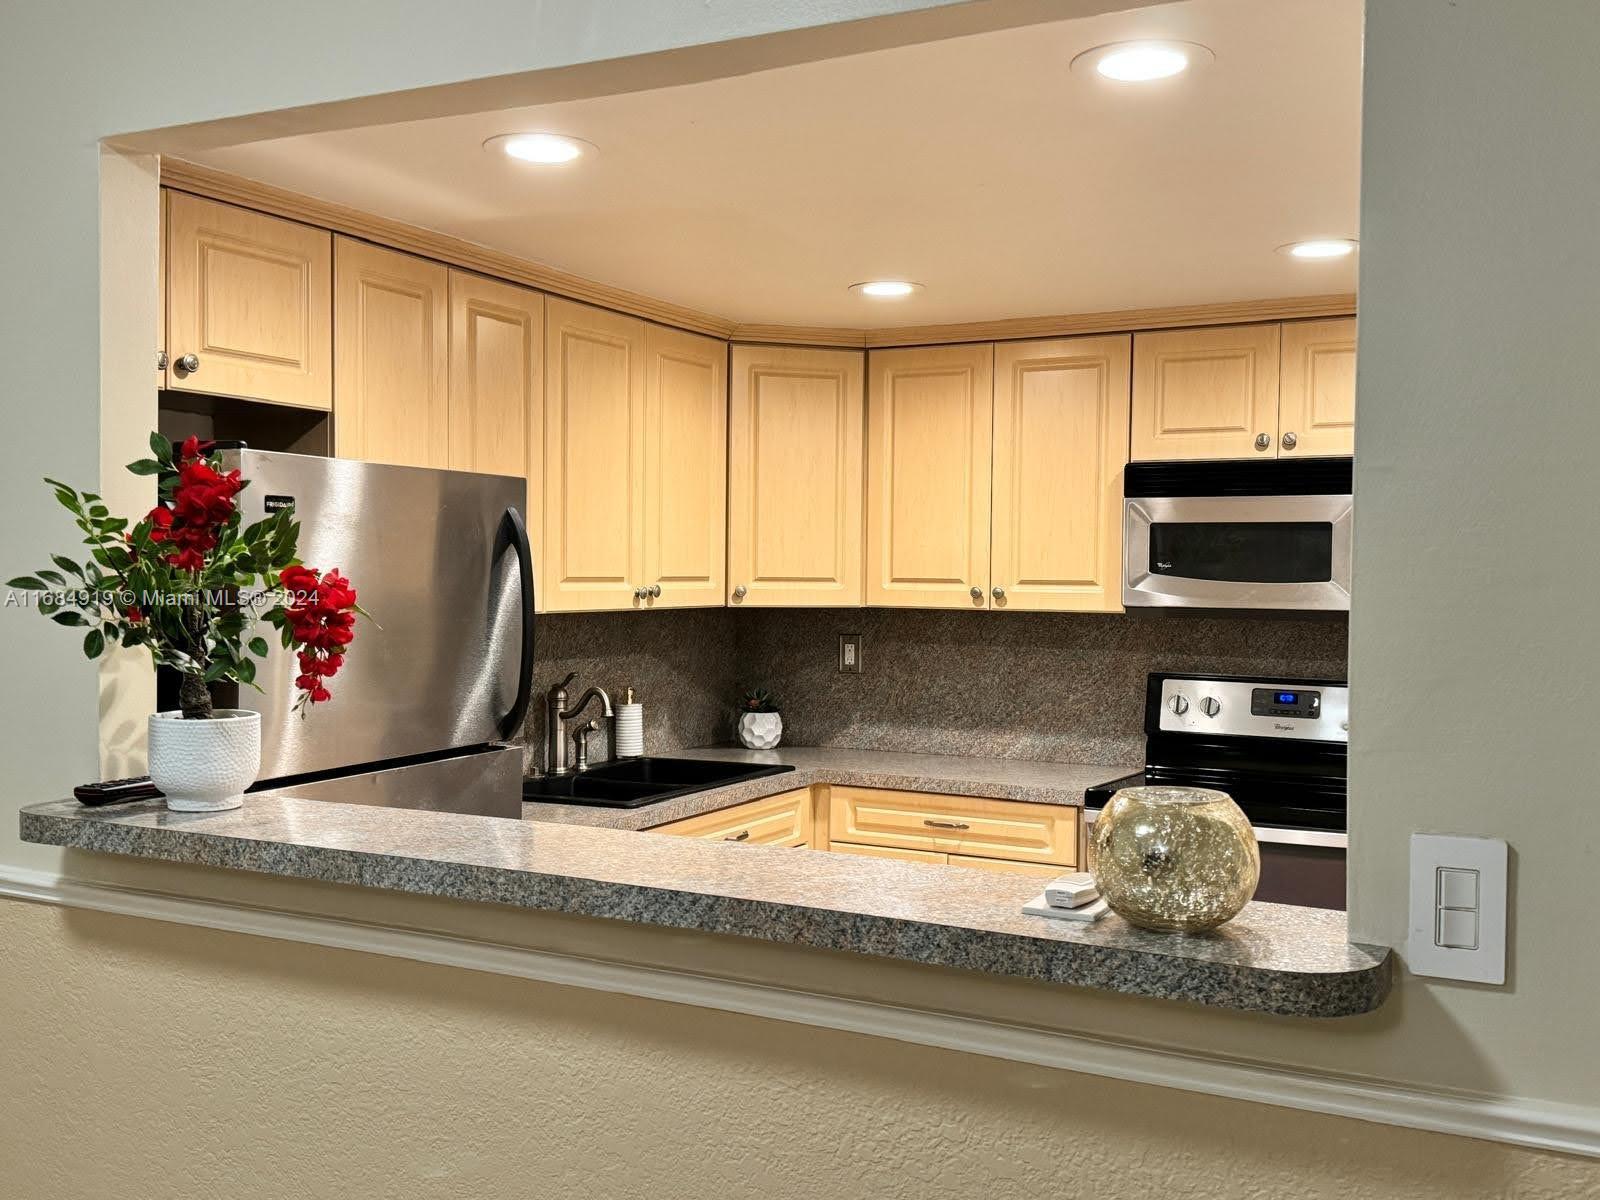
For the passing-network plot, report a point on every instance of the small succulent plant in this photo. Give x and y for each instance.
(758, 700)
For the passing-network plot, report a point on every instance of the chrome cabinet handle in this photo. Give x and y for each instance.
(653, 590)
(161, 360)
(640, 593)
(1289, 441)
(932, 824)
(999, 593)
(739, 592)
(187, 364)
(977, 592)
(1263, 441)
(742, 835)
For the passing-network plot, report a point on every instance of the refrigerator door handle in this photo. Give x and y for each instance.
(513, 530)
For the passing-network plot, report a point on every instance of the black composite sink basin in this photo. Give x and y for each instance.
(634, 782)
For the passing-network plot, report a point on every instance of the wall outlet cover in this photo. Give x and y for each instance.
(850, 654)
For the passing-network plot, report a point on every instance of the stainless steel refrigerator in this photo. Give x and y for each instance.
(427, 711)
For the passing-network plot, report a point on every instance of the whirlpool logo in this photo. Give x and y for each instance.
(1283, 727)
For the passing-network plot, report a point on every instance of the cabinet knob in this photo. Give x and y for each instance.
(999, 593)
(977, 592)
(161, 360)
(1263, 441)
(186, 364)
(1289, 441)
(739, 592)
(653, 590)
(640, 593)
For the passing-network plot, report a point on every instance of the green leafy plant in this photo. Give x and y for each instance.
(758, 700)
(188, 582)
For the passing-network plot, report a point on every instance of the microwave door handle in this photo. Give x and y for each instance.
(514, 532)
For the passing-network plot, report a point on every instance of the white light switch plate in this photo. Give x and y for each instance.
(1443, 870)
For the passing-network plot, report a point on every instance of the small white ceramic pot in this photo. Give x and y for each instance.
(760, 730)
(205, 766)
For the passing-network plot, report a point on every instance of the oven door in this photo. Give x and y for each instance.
(1237, 552)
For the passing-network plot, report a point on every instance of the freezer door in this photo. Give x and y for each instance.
(436, 560)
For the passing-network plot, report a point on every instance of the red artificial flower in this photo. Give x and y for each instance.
(321, 621)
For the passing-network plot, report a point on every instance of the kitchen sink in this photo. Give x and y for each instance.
(634, 782)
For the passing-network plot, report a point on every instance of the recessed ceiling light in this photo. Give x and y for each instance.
(1320, 248)
(546, 149)
(885, 289)
(1142, 62)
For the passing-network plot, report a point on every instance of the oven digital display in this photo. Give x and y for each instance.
(1270, 702)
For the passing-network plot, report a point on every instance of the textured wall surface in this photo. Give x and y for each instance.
(680, 664)
(1055, 686)
(253, 1069)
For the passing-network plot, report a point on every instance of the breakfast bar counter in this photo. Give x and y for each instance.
(1272, 958)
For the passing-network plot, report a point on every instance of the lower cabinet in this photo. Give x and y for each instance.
(1009, 836)
(781, 820)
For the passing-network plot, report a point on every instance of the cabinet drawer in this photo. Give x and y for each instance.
(1006, 829)
(921, 856)
(781, 820)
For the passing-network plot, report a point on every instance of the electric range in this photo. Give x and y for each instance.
(1279, 747)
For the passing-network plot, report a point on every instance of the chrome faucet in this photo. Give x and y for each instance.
(557, 713)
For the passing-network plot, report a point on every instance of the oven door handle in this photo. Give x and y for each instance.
(1268, 835)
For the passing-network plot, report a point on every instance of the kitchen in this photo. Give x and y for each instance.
(1012, 552)
(960, 540)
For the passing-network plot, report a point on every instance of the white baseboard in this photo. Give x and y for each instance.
(1566, 1128)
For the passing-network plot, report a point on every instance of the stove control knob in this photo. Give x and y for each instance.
(1179, 705)
(1211, 706)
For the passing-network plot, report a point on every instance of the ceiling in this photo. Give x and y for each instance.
(981, 167)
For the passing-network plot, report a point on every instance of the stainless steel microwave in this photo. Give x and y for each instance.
(1272, 534)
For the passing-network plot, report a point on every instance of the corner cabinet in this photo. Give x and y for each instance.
(1245, 391)
(929, 431)
(794, 477)
(391, 321)
(1060, 446)
(247, 304)
(635, 463)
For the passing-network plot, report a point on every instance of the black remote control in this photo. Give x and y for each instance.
(116, 791)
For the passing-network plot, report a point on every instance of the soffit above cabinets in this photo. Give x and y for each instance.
(982, 167)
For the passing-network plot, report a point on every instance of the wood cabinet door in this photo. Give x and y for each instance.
(794, 477)
(593, 458)
(918, 856)
(685, 468)
(968, 825)
(929, 435)
(249, 296)
(1317, 400)
(496, 377)
(1205, 393)
(1060, 446)
(391, 357)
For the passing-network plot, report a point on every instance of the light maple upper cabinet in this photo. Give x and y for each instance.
(593, 459)
(794, 477)
(684, 501)
(1060, 446)
(929, 429)
(496, 377)
(1206, 393)
(248, 297)
(391, 325)
(1317, 398)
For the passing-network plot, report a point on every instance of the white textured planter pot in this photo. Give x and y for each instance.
(205, 766)
(761, 731)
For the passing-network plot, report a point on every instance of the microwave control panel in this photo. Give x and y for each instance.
(1250, 708)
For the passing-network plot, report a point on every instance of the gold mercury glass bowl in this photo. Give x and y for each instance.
(1174, 858)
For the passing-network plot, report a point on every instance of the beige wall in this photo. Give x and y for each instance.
(248, 1068)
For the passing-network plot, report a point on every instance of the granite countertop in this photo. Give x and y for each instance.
(1272, 958)
(954, 775)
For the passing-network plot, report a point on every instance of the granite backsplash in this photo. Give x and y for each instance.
(1063, 687)
(1049, 686)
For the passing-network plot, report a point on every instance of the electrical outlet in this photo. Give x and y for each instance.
(849, 654)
